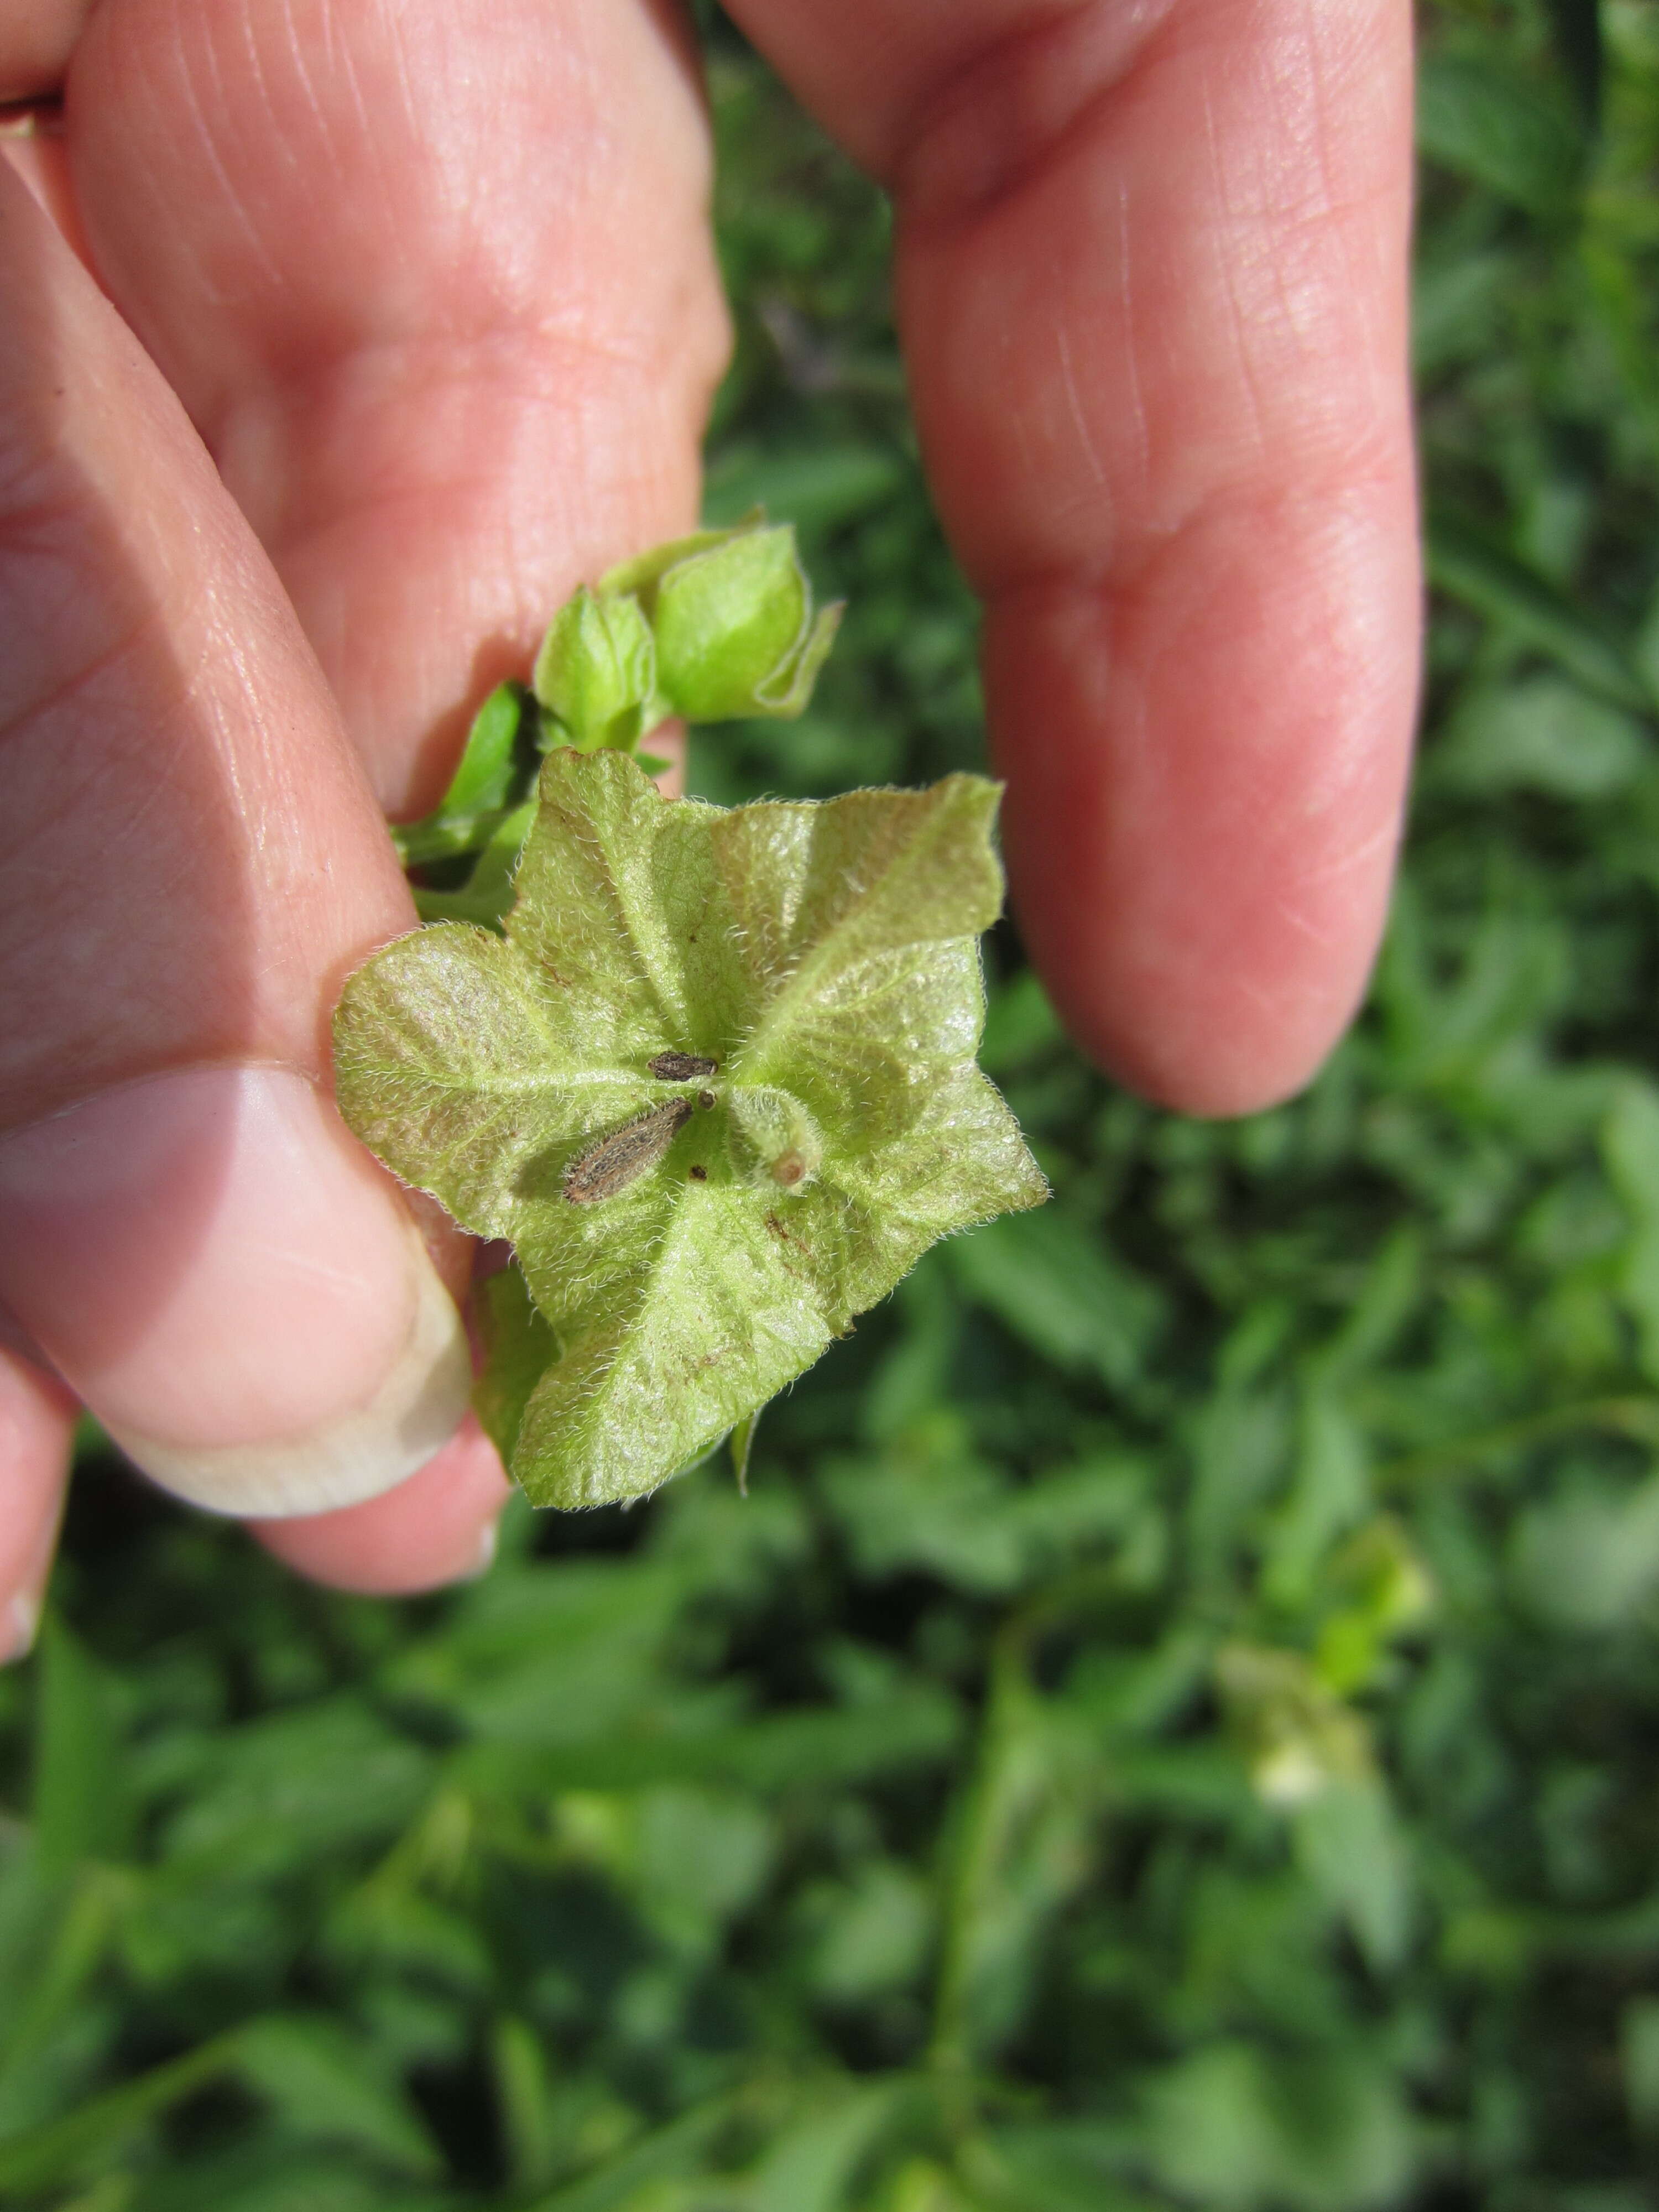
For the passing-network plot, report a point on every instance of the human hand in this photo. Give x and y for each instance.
(432, 286)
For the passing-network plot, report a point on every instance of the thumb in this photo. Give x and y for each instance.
(190, 1236)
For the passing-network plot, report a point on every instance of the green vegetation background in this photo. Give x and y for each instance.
(1177, 1721)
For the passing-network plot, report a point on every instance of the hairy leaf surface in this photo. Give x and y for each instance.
(824, 956)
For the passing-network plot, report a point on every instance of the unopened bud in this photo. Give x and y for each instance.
(596, 672)
(731, 611)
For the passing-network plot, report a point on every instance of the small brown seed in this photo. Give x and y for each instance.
(621, 1158)
(681, 1066)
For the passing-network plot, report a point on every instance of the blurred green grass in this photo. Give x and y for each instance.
(1177, 1721)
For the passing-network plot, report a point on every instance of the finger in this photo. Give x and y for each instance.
(36, 39)
(37, 1423)
(190, 1236)
(34, 149)
(1150, 276)
(435, 284)
(439, 1528)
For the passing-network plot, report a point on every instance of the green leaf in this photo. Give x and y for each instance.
(484, 777)
(667, 2153)
(78, 1808)
(59, 2149)
(1500, 127)
(812, 2164)
(488, 892)
(1540, 734)
(484, 812)
(1351, 1848)
(695, 1244)
(1468, 567)
(1061, 1290)
(525, 2095)
(1235, 2125)
(327, 2086)
(488, 784)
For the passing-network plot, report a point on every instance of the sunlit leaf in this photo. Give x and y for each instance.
(695, 1244)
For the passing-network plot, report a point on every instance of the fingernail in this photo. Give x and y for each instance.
(233, 1286)
(22, 1618)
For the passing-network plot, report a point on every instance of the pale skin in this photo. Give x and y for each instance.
(340, 339)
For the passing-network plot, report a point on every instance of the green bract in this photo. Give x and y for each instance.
(825, 956)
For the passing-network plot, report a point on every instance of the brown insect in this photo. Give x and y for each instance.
(621, 1158)
(681, 1066)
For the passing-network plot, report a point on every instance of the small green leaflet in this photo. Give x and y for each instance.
(824, 956)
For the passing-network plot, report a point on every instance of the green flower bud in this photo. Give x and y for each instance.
(732, 615)
(596, 672)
